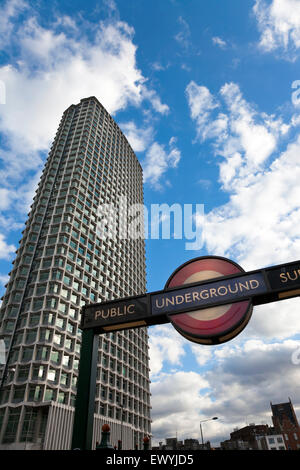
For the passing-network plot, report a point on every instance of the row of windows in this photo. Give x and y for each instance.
(100, 146)
(44, 353)
(37, 393)
(128, 417)
(135, 348)
(132, 335)
(33, 335)
(100, 120)
(116, 384)
(31, 426)
(137, 374)
(42, 372)
(109, 395)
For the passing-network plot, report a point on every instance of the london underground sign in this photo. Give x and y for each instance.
(221, 322)
(209, 300)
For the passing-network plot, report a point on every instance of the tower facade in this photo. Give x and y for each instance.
(61, 264)
(285, 421)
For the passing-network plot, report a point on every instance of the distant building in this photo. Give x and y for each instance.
(171, 443)
(284, 435)
(235, 445)
(285, 422)
(189, 444)
(249, 434)
(272, 442)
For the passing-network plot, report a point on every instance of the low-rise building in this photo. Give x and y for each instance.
(272, 442)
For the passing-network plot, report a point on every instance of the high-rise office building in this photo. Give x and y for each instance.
(61, 264)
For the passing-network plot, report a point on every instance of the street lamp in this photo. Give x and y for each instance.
(204, 421)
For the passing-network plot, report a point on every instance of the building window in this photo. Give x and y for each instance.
(19, 393)
(49, 394)
(55, 356)
(62, 397)
(52, 375)
(23, 373)
(31, 336)
(42, 353)
(38, 372)
(28, 428)
(27, 354)
(12, 425)
(64, 379)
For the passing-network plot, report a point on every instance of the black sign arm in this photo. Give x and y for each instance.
(267, 285)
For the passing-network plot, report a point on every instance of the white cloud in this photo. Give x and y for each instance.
(243, 377)
(51, 67)
(183, 37)
(72, 69)
(6, 250)
(258, 226)
(10, 10)
(219, 42)
(158, 67)
(279, 24)
(165, 345)
(177, 404)
(248, 376)
(139, 138)
(152, 96)
(202, 355)
(200, 99)
(4, 278)
(202, 103)
(158, 161)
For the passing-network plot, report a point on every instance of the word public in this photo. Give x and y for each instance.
(115, 312)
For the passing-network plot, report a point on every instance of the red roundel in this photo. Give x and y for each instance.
(213, 325)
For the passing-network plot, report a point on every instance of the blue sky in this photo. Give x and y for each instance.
(203, 91)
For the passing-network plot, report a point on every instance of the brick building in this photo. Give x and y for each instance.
(285, 422)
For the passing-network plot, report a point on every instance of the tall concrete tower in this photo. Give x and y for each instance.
(61, 264)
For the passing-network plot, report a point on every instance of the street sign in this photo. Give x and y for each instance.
(227, 316)
(205, 299)
(209, 300)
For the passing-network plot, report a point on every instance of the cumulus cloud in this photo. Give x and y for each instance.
(48, 67)
(177, 404)
(183, 37)
(138, 137)
(166, 345)
(9, 11)
(6, 250)
(258, 225)
(217, 41)
(248, 376)
(245, 376)
(279, 25)
(54, 66)
(158, 160)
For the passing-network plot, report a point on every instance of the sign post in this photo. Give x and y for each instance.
(209, 300)
(86, 390)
